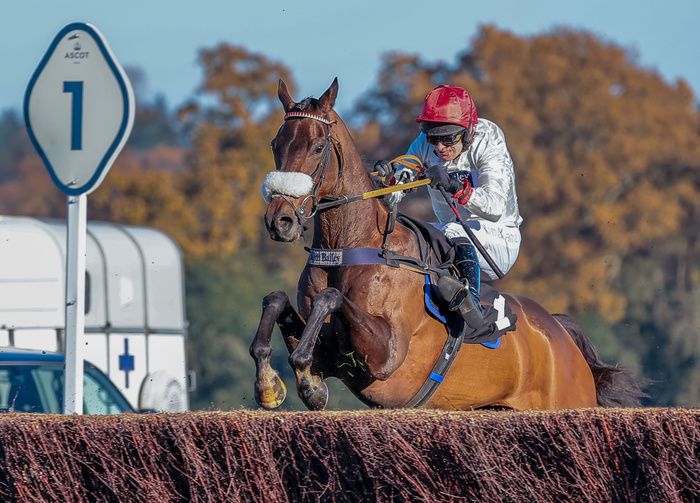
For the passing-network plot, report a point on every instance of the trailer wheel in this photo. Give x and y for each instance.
(160, 391)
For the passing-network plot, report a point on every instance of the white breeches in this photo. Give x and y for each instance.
(501, 242)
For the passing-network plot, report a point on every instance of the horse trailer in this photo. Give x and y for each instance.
(135, 326)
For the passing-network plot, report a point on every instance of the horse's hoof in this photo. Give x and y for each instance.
(315, 397)
(271, 395)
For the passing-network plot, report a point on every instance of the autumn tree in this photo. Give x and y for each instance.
(25, 185)
(384, 118)
(13, 144)
(231, 120)
(598, 141)
(144, 188)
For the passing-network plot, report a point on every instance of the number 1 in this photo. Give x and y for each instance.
(76, 128)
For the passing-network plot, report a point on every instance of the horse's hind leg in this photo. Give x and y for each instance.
(270, 391)
(312, 390)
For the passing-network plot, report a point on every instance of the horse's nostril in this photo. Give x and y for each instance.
(284, 223)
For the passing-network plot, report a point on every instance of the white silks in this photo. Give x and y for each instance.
(293, 184)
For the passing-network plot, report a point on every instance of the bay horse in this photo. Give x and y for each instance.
(366, 324)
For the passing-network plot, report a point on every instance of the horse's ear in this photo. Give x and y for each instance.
(285, 98)
(327, 100)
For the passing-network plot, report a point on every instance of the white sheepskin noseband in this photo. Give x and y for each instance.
(287, 183)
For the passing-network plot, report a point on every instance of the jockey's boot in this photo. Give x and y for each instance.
(463, 294)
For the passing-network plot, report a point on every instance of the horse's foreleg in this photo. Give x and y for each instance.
(312, 390)
(270, 391)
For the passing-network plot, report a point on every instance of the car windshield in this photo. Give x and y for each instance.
(39, 388)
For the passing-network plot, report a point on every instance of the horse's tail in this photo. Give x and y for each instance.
(615, 386)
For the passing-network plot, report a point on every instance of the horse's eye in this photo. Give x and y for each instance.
(319, 148)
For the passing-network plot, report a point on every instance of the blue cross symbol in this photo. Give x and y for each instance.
(126, 363)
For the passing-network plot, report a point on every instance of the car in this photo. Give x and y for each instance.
(32, 381)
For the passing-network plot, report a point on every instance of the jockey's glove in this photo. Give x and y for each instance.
(440, 179)
(465, 193)
(383, 168)
(394, 174)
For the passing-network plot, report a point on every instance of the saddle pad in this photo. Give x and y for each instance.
(430, 238)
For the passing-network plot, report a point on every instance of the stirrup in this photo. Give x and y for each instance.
(457, 295)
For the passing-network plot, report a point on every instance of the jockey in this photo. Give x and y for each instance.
(466, 156)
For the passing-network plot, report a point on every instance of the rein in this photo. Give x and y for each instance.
(410, 161)
(372, 193)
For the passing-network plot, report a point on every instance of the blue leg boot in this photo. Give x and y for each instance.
(463, 295)
(467, 263)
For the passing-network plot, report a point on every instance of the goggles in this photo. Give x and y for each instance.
(447, 140)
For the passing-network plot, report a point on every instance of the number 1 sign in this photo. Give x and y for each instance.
(79, 108)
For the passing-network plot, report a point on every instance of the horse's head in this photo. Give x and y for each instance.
(307, 163)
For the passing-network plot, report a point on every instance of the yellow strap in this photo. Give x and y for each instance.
(410, 161)
(395, 188)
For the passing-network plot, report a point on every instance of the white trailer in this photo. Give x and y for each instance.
(135, 326)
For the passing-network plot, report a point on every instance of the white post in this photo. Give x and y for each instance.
(75, 304)
(67, 96)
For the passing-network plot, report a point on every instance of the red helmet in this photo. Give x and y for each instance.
(449, 105)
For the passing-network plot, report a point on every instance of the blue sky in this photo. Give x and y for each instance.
(319, 40)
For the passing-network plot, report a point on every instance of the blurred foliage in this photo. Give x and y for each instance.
(607, 159)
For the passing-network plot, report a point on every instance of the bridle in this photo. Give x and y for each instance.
(319, 174)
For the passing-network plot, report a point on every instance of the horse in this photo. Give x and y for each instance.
(366, 324)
